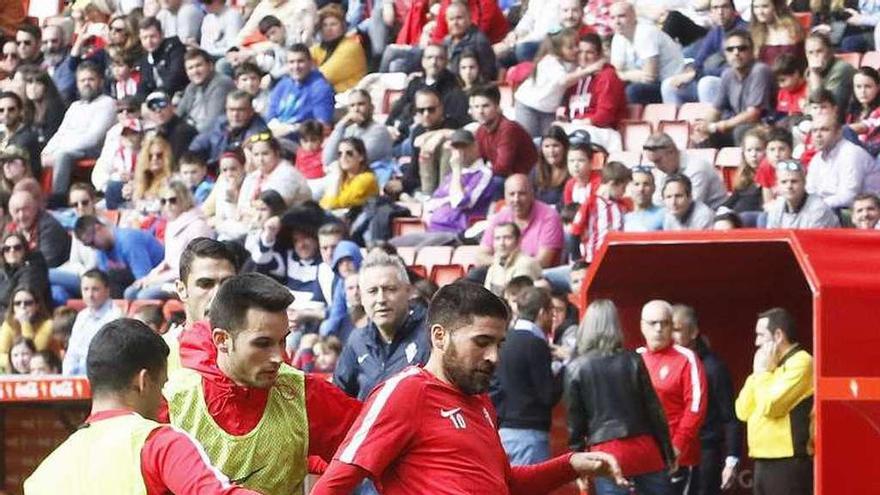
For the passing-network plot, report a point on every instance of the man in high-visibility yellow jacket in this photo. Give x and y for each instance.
(776, 402)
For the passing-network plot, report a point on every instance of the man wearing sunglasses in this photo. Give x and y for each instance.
(27, 42)
(794, 208)
(746, 91)
(162, 114)
(15, 131)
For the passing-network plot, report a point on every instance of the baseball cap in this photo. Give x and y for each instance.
(461, 137)
(157, 100)
(13, 152)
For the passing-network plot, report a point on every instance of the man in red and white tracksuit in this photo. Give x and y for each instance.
(680, 383)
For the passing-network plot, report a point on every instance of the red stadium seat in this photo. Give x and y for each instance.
(111, 216)
(466, 256)
(853, 58)
(140, 303)
(419, 270)
(657, 112)
(407, 225)
(122, 304)
(82, 172)
(408, 254)
(678, 130)
(871, 59)
(694, 111)
(46, 180)
(634, 135)
(76, 304)
(446, 274)
(429, 256)
(805, 19)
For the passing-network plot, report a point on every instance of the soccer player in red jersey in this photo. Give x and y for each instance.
(433, 429)
(120, 448)
(680, 382)
(258, 418)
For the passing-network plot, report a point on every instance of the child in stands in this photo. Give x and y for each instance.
(603, 211)
(779, 147)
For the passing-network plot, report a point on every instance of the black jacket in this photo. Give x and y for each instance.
(455, 102)
(610, 396)
(721, 424)
(179, 133)
(526, 388)
(33, 273)
(168, 62)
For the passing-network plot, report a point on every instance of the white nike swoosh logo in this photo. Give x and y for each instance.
(363, 358)
(450, 412)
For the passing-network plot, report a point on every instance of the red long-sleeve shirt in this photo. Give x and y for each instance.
(418, 435)
(600, 98)
(171, 462)
(680, 382)
(508, 147)
(485, 14)
(239, 409)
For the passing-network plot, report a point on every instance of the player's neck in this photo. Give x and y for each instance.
(434, 366)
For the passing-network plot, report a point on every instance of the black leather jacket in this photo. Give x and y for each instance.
(610, 396)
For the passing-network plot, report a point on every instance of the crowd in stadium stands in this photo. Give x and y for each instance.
(363, 153)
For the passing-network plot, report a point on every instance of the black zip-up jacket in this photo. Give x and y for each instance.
(721, 424)
(610, 397)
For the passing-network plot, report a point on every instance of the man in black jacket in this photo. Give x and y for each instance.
(14, 131)
(176, 130)
(162, 64)
(721, 435)
(527, 388)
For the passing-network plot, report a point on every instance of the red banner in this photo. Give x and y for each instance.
(31, 389)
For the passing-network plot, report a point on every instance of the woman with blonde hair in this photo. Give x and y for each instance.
(612, 406)
(155, 164)
(775, 31)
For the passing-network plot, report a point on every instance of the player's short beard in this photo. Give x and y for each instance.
(469, 381)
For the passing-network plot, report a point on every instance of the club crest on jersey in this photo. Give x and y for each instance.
(664, 372)
(455, 416)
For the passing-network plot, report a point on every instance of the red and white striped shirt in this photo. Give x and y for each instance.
(596, 217)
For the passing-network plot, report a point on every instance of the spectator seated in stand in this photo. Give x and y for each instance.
(100, 309)
(233, 131)
(20, 265)
(683, 212)
(646, 216)
(301, 95)
(508, 262)
(40, 229)
(866, 211)
(795, 207)
(193, 173)
(26, 317)
(65, 278)
(202, 100)
(339, 56)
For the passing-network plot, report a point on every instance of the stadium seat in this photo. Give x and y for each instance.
(446, 274)
(466, 256)
(634, 111)
(634, 135)
(122, 304)
(871, 59)
(408, 254)
(140, 303)
(76, 304)
(419, 270)
(694, 111)
(853, 58)
(82, 172)
(805, 19)
(628, 158)
(429, 256)
(111, 216)
(407, 225)
(678, 130)
(46, 180)
(657, 112)
(170, 307)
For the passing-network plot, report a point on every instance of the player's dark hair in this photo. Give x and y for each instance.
(204, 247)
(455, 305)
(119, 351)
(243, 292)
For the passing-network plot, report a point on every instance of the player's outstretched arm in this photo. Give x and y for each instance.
(598, 464)
(339, 479)
(550, 475)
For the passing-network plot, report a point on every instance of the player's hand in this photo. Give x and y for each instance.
(598, 464)
(728, 475)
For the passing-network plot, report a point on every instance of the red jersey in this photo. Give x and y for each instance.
(596, 217)
(790, 101)
(172, 462)
(680, 382)
(239, 409)
(418, 434)
(765, 175)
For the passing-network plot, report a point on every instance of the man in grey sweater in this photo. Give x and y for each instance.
(204, 98)
(359, 123)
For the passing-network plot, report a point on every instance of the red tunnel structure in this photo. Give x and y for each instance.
(830, 281)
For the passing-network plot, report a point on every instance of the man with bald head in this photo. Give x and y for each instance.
(39, 228)
(840, 170)
(538, 222)
(680, 382)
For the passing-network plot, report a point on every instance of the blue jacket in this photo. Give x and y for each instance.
(366, 360)
(338, 322)
(137, 250)
(713, 43)
(292, 101)
(212, 143)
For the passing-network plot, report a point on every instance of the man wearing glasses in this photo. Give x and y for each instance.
(27, 42)
(14, 131)
(794, 208)
(706, 184)
(746, 90)
(680, 382)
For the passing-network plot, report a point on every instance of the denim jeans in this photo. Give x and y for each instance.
(534, 121)
(133, 293)
(656, 483)
(525, 447)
